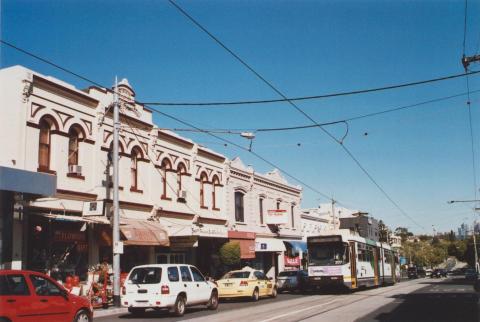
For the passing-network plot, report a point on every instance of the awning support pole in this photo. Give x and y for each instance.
(116, 204)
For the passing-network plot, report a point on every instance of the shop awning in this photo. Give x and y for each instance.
(89, 219)
(269, 245)
(144, 233)
(30, 182)
(298, 246)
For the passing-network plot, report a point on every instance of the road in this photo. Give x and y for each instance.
(416, 300)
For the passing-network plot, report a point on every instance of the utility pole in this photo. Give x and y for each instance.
(333, 215)
(116, 204)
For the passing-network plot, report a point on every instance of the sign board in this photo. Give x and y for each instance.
(180, 242)
(92, 208)
(67, 236)
(292, 261)
(276, 217)
(118, 247)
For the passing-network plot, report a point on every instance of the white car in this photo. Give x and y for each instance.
(171, 286)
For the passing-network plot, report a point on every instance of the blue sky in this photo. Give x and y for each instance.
(421, 157)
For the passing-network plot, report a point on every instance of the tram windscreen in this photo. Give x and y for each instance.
(335, 253)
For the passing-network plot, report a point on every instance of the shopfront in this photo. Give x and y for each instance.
(267, 251)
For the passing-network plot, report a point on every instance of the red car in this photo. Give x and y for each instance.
(27, 296)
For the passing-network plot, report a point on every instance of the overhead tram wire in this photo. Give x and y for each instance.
(48, 62)
(353, 118)
(306, 98)
(340, 142)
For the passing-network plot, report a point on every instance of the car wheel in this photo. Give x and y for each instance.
(274, 292)
(179, 307)
(82, 316)
(213, 302)
(255, 295)
(136, 310)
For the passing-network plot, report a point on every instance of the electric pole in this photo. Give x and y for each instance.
(116, 204)
(467, 60)
(333, 215)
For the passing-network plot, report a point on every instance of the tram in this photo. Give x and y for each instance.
(343, 258)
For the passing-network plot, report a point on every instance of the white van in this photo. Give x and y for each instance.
(172, 286)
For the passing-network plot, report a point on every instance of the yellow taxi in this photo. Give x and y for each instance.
(247, 282)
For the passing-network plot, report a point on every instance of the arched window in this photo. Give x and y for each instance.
(181, 170)
(166, 166)
(260, 208)
(292, 214)
(44, 145)
(134, 168)
(73, 140)
(278, 204)
(239, 214)
(203, 181)
(215, 184)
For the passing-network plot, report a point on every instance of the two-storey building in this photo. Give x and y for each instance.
(172, 201)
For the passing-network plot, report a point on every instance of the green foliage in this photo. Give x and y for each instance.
(230, 253)
(403, 233)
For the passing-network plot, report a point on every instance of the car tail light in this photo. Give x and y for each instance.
(243, 283)
(124, 290)
(165, 289)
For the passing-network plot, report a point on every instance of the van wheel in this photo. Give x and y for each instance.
(82, 316)
(179, 307)
(255, 295)
(136, 311)
(213, 302)
(274, 292)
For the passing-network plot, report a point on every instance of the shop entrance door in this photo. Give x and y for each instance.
(171, 258)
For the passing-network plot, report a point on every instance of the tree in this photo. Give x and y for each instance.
(383, 232)
(230, 253)
(403, 233)
(451, 236)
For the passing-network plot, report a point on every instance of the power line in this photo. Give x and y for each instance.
(353, 118)
(305, 98)
(340, 142)
(178, 120)
(465, 26)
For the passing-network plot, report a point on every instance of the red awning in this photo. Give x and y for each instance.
(144, 233)
(247, 248)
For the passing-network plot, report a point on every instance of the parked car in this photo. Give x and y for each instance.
(413, 272)
(471, 274)
(296, 280)
(32, 296)
(421, 272)
(167, 286)
(248, 283)
(428, 272)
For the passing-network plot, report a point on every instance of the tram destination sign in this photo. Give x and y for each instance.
(324, 239)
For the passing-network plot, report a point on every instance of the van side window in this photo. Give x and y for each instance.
(173, 274)
(185, 272)
(197, 276)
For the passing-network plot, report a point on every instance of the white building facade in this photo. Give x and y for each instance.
(172, 191)
(264, 216)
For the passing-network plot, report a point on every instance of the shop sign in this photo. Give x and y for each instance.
(183, 242)
(68, 236)
(276, 217)
(241, 234)
(292, 261)
(210, 231)
(93, 208)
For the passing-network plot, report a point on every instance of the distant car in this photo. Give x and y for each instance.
(437, 273)
(470, 274)
(421, 272)
(171, 286)
(292, 280)
(444, 272)
(32, 296)
(247, 283)
(412, 272)
(428, 272)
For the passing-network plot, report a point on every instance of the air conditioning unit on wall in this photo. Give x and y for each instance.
(75, 169)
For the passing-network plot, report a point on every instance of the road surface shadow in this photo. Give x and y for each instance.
(427, 305)
(153, 314)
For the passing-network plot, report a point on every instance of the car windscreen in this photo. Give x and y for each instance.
(289, 274)
(236, 275)
(412, 269)
(331, 253)
(146, 275)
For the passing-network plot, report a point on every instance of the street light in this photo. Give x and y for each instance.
(474, 238)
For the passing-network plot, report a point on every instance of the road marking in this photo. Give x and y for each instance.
(298, 311)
